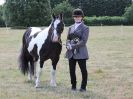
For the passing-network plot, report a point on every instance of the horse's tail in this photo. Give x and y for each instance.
(24, 58)
(23, 61)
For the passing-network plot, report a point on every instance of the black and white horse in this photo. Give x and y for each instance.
(39, 45)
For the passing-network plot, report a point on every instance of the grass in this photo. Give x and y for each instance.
(110, 71)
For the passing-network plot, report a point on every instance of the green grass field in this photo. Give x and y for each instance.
(110, 67)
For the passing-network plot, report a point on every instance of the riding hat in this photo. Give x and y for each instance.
(78, 12)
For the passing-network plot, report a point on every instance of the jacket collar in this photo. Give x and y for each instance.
(78, 28)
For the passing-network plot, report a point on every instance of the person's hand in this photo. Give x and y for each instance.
(69, 47)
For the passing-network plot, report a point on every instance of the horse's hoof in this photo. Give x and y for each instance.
(37, 86)
(53, 84)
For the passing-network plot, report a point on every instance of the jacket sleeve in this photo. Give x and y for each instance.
(83, 40)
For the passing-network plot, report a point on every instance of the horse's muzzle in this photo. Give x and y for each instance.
(55, 39)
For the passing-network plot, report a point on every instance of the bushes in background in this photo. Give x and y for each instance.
(126, 19)
(106, 20)
(129, 14)
(25, 13)
(66, 9)
(2, 23)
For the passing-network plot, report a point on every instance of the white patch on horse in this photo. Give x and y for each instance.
(39, 40)
(55, 38)
(34, 30)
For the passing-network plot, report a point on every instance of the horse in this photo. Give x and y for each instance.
(39, 45)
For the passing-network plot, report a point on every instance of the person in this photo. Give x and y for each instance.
(77, 37)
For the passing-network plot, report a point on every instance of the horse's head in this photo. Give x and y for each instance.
(57, 27)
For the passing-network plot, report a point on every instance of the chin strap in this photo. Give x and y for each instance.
(78, 22)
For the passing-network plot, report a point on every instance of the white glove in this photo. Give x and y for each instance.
(69, 47)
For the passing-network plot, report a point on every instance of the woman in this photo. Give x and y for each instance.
(76, 48)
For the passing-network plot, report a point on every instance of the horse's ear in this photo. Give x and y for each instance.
(53, 16)
(61, 16)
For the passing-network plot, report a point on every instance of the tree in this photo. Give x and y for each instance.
(37, 12)
(8, 8)
(66, 9)
(129, 14)
(27, 12)
(101, 7)
(54, 3)
(1, 17)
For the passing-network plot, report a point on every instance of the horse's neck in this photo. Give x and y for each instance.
(50, 25)
(47, 29)
(49, 32)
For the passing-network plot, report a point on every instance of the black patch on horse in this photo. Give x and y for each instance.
(34, 53)
(36, 34)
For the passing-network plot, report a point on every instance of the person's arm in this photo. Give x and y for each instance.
(83, 40)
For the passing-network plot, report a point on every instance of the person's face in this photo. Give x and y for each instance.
(78, 18)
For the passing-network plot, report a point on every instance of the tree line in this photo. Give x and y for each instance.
(37, 12)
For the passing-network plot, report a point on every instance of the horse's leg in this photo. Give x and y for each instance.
(31, 69)
(35, 76)
(30, 73)
(53, 72)
(38, 74)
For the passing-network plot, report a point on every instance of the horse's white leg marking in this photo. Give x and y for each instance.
(38, 74)
(38, 78)
(53, 77)
(29, 73)
(35, 76)
(29, 76)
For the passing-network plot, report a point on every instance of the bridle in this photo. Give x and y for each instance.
(52, 34)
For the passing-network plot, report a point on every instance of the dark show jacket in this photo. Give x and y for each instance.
(83, 32)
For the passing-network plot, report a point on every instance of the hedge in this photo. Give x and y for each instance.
(92, 21)
(106, 20)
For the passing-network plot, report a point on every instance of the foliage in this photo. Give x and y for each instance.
(27, 12)
(106, 20)
(101, 7)
(129, 14)
(66, 9)
(54, 3)
(1, 17)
